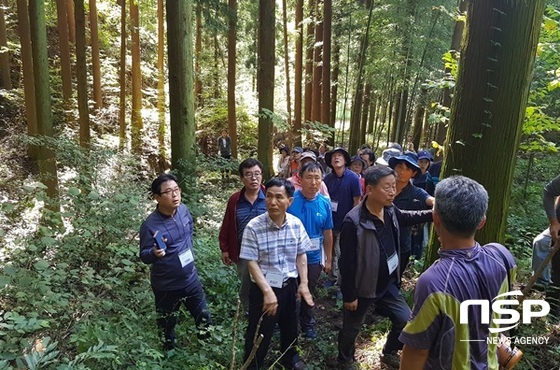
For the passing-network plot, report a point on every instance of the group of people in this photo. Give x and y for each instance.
(353, 223)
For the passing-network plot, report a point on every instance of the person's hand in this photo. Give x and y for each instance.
(328, 266)
(225, 258)
(303, 292)
(270, 303)
(554, 231)
(159, 252)
(351, 306)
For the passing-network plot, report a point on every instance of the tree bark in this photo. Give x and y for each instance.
(198, 55)
(232, 59)
(136, 116)
(181, 102)
(317, 67)
(334, 89)
(81, 73)
(488, 108)
(96, 64)
(309, 43)
(365, 113)
(5, 79)
(287, 62)
(27, 66)
(71, 20)
(455, 46)
(64, 48)
(265, 83)
(419, 119)
(122, 79)
(46, 157)
(162, 122)
(326, 78)
(296, 133)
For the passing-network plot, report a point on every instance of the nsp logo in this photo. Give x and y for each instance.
(500, 307)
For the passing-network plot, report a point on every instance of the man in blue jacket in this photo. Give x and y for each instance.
(174, 278)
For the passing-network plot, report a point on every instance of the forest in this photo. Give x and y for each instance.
(98, 97)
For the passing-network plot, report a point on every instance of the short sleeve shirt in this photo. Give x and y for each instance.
(316, 216)
(275, 248)
(342, 191)
(459, 275)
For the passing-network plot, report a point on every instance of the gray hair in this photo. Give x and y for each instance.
(461, 204)
(374, 174)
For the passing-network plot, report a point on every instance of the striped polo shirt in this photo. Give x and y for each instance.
(459, 275)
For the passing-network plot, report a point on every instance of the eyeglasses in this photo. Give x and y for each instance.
(250, 175)
(171, 192)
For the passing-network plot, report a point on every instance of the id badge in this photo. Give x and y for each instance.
(315, 245)
(275, 279)
(393, 263)
(334, 205)
(186, 258)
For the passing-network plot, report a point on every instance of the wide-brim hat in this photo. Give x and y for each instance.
(328, 156)
(409, 161)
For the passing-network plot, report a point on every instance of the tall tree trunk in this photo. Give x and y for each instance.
(287, 62)
(419, 119)
(71, 21)
(181, 102)
(265, 82)
(296, 133)
(232, 59)
(81, 73)
(5, 79)
(198, 56)
(309, 47)
(357, 104)
(317, 67)
(162, 122)
(488, 108)
(334, 88)
(216, 71)
(365, 113)
(455, 46)
(46, 157)
(326, 79)
(372, 112)
(96, 64)
(27, 66)
(136, 117)
(64, 48)
(122, 79)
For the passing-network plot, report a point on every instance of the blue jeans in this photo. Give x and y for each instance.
(169, 302)
(541, 247)
(391, 305)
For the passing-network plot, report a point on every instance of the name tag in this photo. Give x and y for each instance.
(393, 263)
(315, 245)
(186, 258)
(334, 205)
(275, 279)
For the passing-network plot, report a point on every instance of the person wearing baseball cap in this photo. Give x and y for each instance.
(424, 162)
(345, 192)
(294, 160)
(408, 197)
(304, 158)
